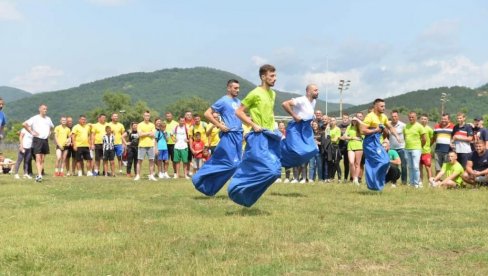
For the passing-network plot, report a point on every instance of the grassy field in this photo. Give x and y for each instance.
(113, 226)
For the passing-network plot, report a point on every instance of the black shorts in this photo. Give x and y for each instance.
(40, 146)
(5, 170)
(98, 152)
(83, 153)
(71, 152)
(171, 151)
(108, 155)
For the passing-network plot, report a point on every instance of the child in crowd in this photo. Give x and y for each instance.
(197, 148)
(108, 151)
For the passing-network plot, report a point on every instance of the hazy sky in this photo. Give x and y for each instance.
(384, 47)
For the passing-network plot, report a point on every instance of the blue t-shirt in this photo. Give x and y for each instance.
(161, 139)
(226, 107)
(3, 119)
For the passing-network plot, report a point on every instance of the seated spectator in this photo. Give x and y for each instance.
(8, 165)
(477, 165)
(393, 173)
(452, 171)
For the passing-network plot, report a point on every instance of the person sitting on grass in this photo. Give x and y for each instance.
(452, 171)
(8, 165)
(108, 145)
(477, 165)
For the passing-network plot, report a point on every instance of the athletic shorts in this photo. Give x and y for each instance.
(119, 150)
(162, 155)
(40, 146)
(108, 155)
(440, 159)
(482, 179)
(71, 152)
(426, 159)
(197, 163)
(171, 150)
(6, 170)
(143, 151)
(61, 149)
(181, 155)
(83, 153)
(98, 152)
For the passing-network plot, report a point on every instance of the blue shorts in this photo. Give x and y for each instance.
(162, 155)
(119, 150)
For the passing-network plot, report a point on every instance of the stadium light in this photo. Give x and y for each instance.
(343, 85)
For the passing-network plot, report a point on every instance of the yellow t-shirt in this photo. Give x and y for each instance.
(82, 134)
(146, 141)
(62, 134)
(99, 131)
(203, 134)
(373, 121)
(214, 138)
(117, 129)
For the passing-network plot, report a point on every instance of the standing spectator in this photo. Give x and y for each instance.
(452, 171)
(146, 131)
(25, 154)
(288, 171)
(343, 144)
(189, 122)
(334, 162)
(170, 127)
(442, 138)
(477, 165)
(399, 145)
(462, 135)
(315, 164)
(354, 148)
(162, 153)
(426, 156)
(70, 156)
(197, 147)
(80, 137)
(97, 132)
(415, 139)
(393, 173)
(3, 121)
(108, 143)
(131, 140)
(479, 132)
(198, 126)
(180, 134)
(40, 127)
(118, 130)
(213, 133)
(61, 139)
(318, 117)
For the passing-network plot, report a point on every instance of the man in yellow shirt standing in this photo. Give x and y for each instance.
(213, 133)
(147, 145)
(377, 159)
(97, 133)
(80, 138)
(117, 129)
(61, 138)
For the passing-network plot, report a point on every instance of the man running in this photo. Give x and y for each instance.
(227, 155)
(40, 126)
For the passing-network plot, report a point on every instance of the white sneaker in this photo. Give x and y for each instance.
(68, 174)
(137, 178)
(302, 181)
(27, 176)
(161, 175)
(278, 180)
(152, 178)
(80, 173)
(166, 175)
(89, 173)
(120, 171)
(190, 173)
(176, 176)
(187, 177)
(393, 185)
(16, 176)
(421, 185)
(294, 181)
(355, 182)
(286, 180)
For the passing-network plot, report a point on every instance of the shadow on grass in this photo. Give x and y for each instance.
(369, 193)
(209, 197)
(288, 194)
(247, 212)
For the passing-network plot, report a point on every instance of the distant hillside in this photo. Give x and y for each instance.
(10, 94)
(471, 101)
(159, 89)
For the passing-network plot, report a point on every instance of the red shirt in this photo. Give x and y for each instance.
(198, 146)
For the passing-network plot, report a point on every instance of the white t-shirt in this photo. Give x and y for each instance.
(181, 138)
(27, 139)
(6, 162)
(393, 141)
(41, 125)
(303, 107)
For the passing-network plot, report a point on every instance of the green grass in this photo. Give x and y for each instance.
(115, 226)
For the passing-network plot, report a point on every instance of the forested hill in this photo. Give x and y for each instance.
(159, 89)
(10, 94)
(471, 101)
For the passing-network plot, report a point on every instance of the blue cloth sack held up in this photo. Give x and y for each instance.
(299, 145)
(221, 166)
(377, 162)
(260, 167)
